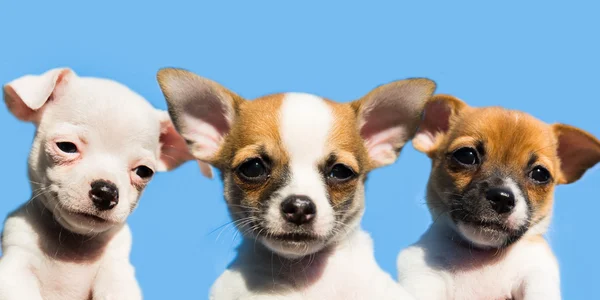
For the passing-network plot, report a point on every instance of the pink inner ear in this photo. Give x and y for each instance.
(436, 120)
(173, 150)
(206, 138)
(384, 146)
(385, 130)
(437, 117)
(26, 95)
(17, 107)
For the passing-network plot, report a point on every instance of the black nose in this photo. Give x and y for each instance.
(298, 209)
(502, 199)
(104, 194)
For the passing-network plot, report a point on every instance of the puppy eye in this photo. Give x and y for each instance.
(144, 172)
(253, 169)
(340, 173)
(466, 156)
(67, 147)
(540, 174)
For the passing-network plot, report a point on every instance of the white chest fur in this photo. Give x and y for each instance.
(40, 262)
(438, 267)
(348, 271)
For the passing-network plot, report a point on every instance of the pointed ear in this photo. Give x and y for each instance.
(438, 114)
(26, 95)
(201, 109)
(578, 151)
(388, 117)
(173, 149)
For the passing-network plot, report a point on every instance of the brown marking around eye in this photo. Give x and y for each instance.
(255, 133)
(463, 141)
(348, 159)
(242, 155)
(345, 142)
(512, 140)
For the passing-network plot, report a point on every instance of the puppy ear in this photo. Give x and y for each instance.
(201, 109)
(173, 148)
(438, 114)
(26, 95)
(388, 117)
(578, 151)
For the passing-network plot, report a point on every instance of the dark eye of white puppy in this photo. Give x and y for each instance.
(540, 174)
(144, 172)
(340, 173)
(466, 156)
(67, 147)
(253, 169)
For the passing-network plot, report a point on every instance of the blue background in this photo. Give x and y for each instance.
(536, 56)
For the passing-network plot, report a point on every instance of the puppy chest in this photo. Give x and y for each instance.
(352, 286)
(350, 277)
(478, 278)
(66, 281)
(494, 283)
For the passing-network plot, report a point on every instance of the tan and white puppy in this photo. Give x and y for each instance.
(294, 167)
(490, 194)
(96, 146)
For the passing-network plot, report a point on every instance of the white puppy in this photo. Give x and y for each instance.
(294, 167)
(96, 147)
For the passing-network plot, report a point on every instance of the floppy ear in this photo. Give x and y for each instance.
(26, 95)
(438, 114)
(578, 151)
(173, 149)
(388, 117)
(201, 109)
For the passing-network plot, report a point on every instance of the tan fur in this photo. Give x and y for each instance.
(293, 167)
(510, 139)
(251, 134)
(475, 236)
(348, 147)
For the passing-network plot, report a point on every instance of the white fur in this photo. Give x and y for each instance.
(519, 215)
(305, 143)
(340, 263)
(340, 269)
(476, 236)
(27, 272)
(51, 251)
(349, 272)
(438, 267)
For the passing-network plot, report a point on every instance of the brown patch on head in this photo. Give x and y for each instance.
(346, 147)
(254, 134)
(487, 162)
(509, 144)
(293, 164)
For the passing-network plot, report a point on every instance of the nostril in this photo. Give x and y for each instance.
(298, 209)
(502, 200)
(104, 194)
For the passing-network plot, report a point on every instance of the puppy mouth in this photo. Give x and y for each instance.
(487, 225)
(87, 218)
(486, 234)
(294, 237)
(90, 217)
(286, 237)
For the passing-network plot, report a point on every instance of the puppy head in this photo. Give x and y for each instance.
(97, 145)
(494, 170)
(293, 164)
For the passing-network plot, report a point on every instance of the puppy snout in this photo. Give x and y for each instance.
(501, 199)
(298, 210)
(104, 194)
